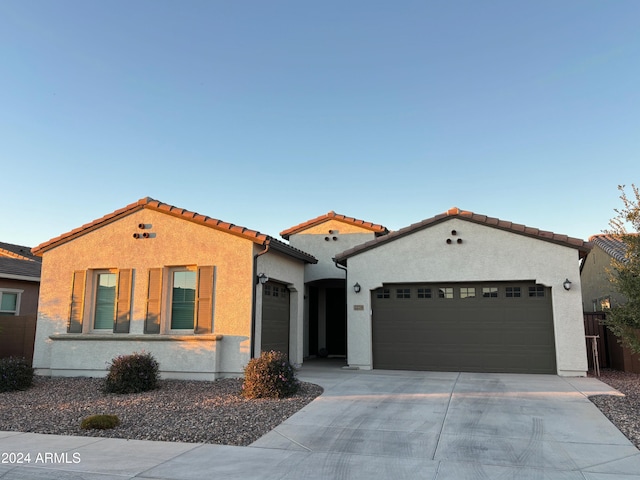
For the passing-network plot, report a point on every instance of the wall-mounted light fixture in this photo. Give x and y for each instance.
(263, 278)
(567, 284)
(356, 288)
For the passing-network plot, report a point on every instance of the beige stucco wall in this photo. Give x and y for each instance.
(284, 269)
(174, 242)
(486, 254)
(313, 241)
(595, 280)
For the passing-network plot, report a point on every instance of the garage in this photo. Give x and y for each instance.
(275, 317)
(472, 327)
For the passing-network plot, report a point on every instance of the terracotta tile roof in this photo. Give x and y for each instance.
(582, 246)
(18, 261)
(612, 244)
(378, 229)
(151, 204)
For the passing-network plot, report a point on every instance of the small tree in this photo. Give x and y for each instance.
(624, 320)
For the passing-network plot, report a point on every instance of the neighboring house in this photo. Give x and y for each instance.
(466, 292)
(326, 315)
(19, 280)
(598, 294)
(597, 291)
(19, 287)
(201, 295)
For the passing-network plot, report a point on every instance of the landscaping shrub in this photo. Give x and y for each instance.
(15, 374)
(133, 373)
(100, 422)
(269, 376)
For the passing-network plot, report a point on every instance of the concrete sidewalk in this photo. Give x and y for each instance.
(378, 424)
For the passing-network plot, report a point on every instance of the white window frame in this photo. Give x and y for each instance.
(18, 301)
(168, 294)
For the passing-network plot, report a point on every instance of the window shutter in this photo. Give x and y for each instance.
(204, 304)
(123, 304)
(154, 301)
(76, 304)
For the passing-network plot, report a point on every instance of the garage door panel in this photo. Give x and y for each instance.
(495, 333)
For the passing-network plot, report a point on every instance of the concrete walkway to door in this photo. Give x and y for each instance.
(377, 424)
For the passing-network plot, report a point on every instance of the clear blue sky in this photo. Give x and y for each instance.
(268, 113)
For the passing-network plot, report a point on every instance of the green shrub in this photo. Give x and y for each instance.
(15, 374)
(269, 376)
(133, 373)
(100, 422)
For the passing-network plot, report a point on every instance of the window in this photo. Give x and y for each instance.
(186, 302)
(267, 290)
(383, 293)
(276, 291)
(105, 301)
(424, 293)
(445, 292)
(403, 293)
(467, 292)
(537, 291)
(183, 299)
(111, 306)
(513, 292)
(490, 292)
(10, 302)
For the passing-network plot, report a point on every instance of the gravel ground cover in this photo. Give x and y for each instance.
(624, 412)
(179, 411)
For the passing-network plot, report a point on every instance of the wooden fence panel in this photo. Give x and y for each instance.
(17, 336)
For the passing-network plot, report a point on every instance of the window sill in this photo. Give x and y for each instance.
(137, 337)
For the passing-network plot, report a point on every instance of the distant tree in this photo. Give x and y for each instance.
(624, 320)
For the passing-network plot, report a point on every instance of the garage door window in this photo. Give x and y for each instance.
(445, 292)
(403, 293)
(384, 293)
(467, 292)
(513, 292)
(490, 292)
(424, 293)
(537, 291)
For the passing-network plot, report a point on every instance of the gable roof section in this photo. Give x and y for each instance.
(582, 246)
(18, 263)
(377, 229)
(151, 204)
(611, 244)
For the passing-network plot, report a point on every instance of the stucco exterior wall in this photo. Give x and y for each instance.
(173, 242)
(314, 241)
(485, 254)
(595, 280)
(284, 269)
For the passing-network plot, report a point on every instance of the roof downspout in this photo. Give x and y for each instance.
(253, 303)
(346, 312)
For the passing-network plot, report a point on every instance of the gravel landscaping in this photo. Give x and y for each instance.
(624, 412)
(179, 411)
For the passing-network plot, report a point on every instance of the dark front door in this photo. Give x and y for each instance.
(336, 321)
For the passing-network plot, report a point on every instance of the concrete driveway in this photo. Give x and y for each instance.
(380, 424)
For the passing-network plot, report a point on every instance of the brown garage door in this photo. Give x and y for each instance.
(475, 327)
(275, 317)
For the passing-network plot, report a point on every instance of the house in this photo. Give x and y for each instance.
(597, 291)
(19, 280)
(457, 292)
(466, 292)
(201, 295)
(19, 287)
(598, 294)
